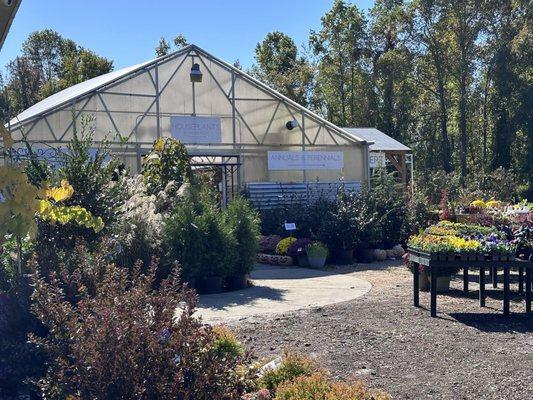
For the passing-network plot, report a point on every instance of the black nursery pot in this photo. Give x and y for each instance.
(211, 285)
(237, 282)
(344, 256)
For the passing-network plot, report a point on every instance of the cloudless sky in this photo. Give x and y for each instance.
(127, 31)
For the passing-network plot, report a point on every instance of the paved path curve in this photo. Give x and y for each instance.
(277, 290)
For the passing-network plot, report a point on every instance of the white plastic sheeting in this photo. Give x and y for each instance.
(137, 103)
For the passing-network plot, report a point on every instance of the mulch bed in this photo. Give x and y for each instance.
(465, 353)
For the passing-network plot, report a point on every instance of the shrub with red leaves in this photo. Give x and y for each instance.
(118, 336)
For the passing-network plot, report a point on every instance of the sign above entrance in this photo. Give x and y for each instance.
(288, 160)
(196, 130)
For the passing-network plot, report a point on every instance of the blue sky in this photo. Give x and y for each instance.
(128, 31)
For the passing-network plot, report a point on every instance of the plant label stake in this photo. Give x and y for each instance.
(290, 226)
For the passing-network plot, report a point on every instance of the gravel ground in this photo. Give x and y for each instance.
(466, 353)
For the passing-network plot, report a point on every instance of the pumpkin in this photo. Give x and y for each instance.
(263, 258)
(380, 254)
(398, 251)
(284, 260)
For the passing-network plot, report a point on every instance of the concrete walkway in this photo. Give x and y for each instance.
(277, 290)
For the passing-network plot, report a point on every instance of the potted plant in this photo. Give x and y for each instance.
(297, 250)
(316, 254)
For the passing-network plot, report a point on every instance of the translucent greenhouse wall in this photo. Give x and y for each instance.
(139, 104)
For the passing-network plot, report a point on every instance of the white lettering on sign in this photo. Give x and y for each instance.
(196, 130)
(376, 160)
(287, 160)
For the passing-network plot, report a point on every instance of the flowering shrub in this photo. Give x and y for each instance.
(443, 244)
(267, 244)
(124, 340)
(493, 204)
(298, 247)
(478, 204)
(283, 246)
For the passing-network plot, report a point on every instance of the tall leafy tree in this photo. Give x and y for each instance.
(392, 65)
(465, 19)
(48, 64)
(430, 41)
(46, 50)
(340, 46)
(280, 66)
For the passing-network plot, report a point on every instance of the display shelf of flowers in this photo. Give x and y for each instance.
(450, 241)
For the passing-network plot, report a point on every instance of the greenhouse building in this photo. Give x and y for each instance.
(262, 141)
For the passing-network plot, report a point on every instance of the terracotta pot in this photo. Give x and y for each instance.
(211, 285)
(237, 281)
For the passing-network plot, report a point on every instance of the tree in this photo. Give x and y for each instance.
(340, 46)
(164, 47)
(46, 50)
(23, 87)
(49, 63)
(280, 66)
(392, 66)
(465, 21)
(428, 36)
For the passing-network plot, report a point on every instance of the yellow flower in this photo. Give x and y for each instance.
(493, 203)
(478, 204)
(159, 145)
(284, 244)
(61, 193)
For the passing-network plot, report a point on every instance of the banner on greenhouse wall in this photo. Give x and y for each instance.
(303, 160)
(196, 130)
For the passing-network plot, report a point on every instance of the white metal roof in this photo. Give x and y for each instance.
(73, 92)
(79, 90)
(382, 141)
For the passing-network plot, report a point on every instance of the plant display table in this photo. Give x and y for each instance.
(436, 262)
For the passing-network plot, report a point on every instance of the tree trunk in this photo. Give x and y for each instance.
(443, 119)
(462, 121)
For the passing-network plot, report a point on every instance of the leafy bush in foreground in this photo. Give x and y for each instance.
(292, 366)
(126, 341)
(318, 386)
